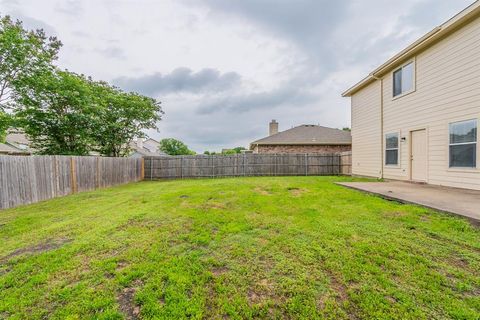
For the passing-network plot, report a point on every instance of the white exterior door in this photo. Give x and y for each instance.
(418, 155)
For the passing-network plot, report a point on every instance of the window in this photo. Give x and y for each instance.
(403, 80)
(391, 149)
(463, 144)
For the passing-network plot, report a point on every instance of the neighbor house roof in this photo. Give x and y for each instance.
(308, 135)
(11, 150)
(15, 143)
(418, 46)
(143, 151)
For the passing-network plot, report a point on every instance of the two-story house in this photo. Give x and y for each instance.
(416, 116)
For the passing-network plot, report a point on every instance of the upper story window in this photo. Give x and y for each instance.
(463, 144)
(403, 79)
(391, 149)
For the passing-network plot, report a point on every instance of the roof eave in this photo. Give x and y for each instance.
(302, 144)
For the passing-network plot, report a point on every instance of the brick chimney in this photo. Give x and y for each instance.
(273, 127)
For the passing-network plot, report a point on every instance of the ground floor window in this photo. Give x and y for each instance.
(463, 144)
(391, 149)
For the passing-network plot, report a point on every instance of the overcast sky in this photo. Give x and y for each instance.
(224, 68)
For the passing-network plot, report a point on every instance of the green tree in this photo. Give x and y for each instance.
(121, 118)
(239, 149)
(175, 147)
(346, 129)
(5, 123)
(23, 54)
(58, 110)
(229, 152)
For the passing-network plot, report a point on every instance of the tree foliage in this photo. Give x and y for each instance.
(175, 147)
(57, 110)
(121, 118)
(5, 123)
(60, 111)
(23, 54)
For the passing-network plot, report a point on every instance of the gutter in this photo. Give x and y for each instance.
(382, 155)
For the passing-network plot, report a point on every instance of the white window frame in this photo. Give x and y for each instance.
(413, 62)
(463, 143)
(390, 149)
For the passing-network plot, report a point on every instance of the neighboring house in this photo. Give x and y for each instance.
(416, 116)
(146, 148)
(303, 139)
(16, 143)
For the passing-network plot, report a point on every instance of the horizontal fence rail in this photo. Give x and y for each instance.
(247, 165)
(25, 180)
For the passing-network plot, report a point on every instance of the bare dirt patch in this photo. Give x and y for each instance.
(122, 264)
(218, 271)
(149, 224)
(212, 203)
(49, 245)
(296, 192)
(126, 300)
(262, 191)
(340, 294)
(394, 214)
(261, 291)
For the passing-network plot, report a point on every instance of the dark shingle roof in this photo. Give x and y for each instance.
(308, 135)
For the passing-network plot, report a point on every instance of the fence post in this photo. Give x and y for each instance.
(55, 176)
(73, 175)
(142, 169)
(244, 158)
(181, 167)
(213, 166)
(97, 174)
(275, 164)
(306, 164)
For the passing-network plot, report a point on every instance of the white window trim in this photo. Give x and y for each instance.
(397, 165)
(414, 84)
(463, 169)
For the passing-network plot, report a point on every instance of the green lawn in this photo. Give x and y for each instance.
(283, 247)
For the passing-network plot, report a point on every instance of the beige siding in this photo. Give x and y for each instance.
(447, 90)
(366, 131)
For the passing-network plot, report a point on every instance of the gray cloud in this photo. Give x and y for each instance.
(113, 52)
(180, 80)
(30, 23)
(309, 24)
(241, 103)
(70, 7)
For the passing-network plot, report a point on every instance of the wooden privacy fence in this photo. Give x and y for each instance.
(247, 165)
(26, 180)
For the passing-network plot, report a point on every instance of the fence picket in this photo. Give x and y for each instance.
(25, 180)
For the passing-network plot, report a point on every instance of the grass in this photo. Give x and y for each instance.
(290, 247)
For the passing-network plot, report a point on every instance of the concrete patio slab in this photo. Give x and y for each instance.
(457, 201)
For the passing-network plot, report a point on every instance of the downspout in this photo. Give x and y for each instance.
(381, 125)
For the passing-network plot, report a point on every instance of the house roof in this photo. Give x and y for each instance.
(17, 137)
(151, 140)
(418, 46)
(308, 135)
(144, 151)
(11, 150)
(15, 143)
